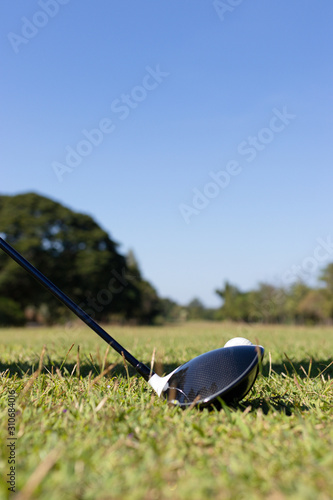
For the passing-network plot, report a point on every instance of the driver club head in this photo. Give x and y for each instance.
(226, 374)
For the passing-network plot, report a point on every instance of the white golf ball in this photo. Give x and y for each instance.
(237, 341)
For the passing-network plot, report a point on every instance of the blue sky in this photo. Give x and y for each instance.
(213, 159)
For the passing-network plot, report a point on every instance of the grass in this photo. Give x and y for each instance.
(81, 435)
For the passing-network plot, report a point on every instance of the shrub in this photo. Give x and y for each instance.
(10, 313)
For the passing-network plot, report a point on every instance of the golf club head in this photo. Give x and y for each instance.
(224, 374)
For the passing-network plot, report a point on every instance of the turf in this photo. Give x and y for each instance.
(88, 427)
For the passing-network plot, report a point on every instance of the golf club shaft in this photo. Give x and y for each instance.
(142, 369)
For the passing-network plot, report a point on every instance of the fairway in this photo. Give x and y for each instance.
(87, 427)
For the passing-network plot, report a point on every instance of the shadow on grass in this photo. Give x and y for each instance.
(303, 369)
(275, 404)
(23, 369)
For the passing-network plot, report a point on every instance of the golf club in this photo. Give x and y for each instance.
(225, 374)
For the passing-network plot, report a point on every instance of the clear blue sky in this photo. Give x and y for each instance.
(180, 89)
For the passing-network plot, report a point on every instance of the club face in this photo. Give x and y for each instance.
(223, 374)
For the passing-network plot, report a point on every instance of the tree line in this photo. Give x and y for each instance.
(74, 252)
(296, 304)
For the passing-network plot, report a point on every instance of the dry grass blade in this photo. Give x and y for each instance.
(101, 404)
(104, 372)
(29, 383)
(105, 358)
(38, 475)
(98, 356)
(64, 361)
(73, 370)
(192, 405)
(33, 377)
(324, 370)
(78, 362)
(152, 362)
(310, 366)
(41, 359)
(292, 365)
(92, 363)
(296, 382)
(125, 364)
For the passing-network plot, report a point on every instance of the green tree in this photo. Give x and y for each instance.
(236, 304)
(171, 311)
(267, 304)
(10, 313)
(313, 307)
(196, 309)
(70, 249)
(294, 296)
(327, 277)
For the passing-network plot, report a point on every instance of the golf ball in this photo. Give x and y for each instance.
(237, 341)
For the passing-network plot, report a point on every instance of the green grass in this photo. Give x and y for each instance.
(85, 436)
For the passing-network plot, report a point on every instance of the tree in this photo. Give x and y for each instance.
(327, 278)
(267, 304)
(171, 311)
(294, 296)
(236, 304)
(313, 307)
(70, 249)
(10, 313)
(195, 309)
